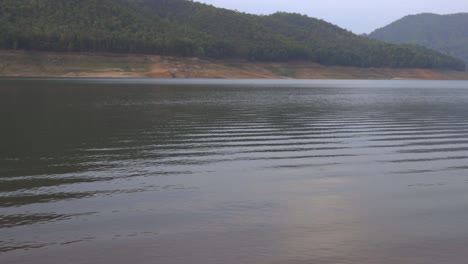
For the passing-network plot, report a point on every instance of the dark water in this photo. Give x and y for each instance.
(139, 171)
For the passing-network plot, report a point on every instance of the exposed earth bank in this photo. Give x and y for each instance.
(53, 64)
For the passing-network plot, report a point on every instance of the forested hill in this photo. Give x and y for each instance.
(187, 28)
(446, 33)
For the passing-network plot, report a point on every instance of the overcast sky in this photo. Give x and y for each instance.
(359, 16)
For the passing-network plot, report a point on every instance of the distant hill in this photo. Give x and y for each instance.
(187, 28)
(445, 33)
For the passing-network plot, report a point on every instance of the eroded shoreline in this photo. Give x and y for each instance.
(54, 64)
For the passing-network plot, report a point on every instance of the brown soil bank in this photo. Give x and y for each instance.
(51, 64)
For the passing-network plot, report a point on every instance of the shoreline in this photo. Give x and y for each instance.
(111, 65)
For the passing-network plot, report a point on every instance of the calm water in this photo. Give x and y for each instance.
(255, 172)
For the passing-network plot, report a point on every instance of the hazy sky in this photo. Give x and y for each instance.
(359, 16)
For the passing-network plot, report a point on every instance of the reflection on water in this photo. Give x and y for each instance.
(199, 171)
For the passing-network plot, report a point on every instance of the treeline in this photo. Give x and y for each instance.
(186, 28)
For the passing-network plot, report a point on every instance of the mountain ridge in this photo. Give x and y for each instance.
(187, 28)
(446, 33)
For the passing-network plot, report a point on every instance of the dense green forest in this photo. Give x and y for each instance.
(445, 33)
(187, 28)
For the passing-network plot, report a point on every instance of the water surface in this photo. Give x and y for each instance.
(220, 171)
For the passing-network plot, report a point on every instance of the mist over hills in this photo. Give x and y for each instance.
(187, 28)
(445, 33)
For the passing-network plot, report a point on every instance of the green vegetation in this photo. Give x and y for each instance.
(445, 33)
(187, 28)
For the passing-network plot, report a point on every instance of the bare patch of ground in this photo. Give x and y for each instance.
(54, 64)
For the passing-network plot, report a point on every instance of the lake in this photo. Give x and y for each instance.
(224, 171)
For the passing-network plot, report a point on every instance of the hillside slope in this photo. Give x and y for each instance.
(187, 28)
(445, 33)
